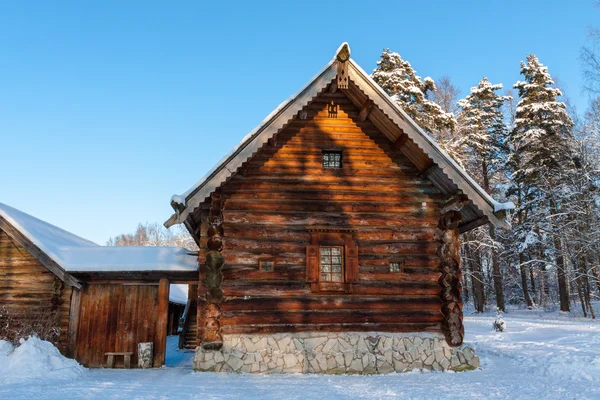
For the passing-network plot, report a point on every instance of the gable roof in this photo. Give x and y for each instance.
(65, 253)
(387, 116)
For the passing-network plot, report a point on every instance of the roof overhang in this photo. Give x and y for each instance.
(387, 116)
(40, 255)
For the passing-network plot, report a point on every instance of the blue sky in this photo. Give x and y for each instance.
(109, 108)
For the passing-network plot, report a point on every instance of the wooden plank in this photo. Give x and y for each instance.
(73, 322)
(162, 310)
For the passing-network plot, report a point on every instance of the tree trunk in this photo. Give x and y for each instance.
(478, 285)
(524, 281)
(496, 273)
(563, 289)
(532, 279)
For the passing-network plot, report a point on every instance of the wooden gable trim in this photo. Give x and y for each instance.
(228, 168)
(385, 114)
(35, 251)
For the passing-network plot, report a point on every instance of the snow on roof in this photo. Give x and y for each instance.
(178, 293)
(76, 254)
(128, 258)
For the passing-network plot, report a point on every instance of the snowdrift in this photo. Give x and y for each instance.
(35, 359)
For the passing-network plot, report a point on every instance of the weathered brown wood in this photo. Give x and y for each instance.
(114, 318)
(162, 311)
(450, 279)
(357, 327)
(29, 290)
(365, 110)
(213, 278)
(73, 322)
(35, 251)
(285, 196)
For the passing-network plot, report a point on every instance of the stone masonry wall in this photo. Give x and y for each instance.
(335, 353)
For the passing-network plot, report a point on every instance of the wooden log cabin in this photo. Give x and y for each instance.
(99, 299)
(336, 214)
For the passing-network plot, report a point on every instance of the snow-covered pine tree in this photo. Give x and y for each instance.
(482, 134)
(399, 80)
(545, 158)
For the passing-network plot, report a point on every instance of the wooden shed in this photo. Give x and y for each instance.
(101, 299)
(336, 214)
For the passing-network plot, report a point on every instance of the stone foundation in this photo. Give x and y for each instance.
(335, 353)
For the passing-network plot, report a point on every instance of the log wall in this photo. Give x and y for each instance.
(32, 294)
(284, 190)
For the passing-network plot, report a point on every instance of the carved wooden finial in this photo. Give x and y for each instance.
(343, 53)
(342, 56)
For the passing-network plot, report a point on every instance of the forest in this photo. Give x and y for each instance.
(528, 145)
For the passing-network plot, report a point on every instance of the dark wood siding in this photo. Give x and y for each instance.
(30, 292)
(115, 317)
(284, 190)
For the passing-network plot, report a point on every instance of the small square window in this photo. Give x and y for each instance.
(397, 266)
(332, 159)
(267, 265)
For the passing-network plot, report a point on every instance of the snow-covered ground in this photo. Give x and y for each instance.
(540, 356)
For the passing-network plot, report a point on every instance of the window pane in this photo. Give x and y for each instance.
(336, 260)
(325, 277)
(336, 277)
(325, 268)
(336, 251)
(337, 268)
(326, 250)
(332, 159)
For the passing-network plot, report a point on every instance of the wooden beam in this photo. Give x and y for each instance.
(473, 224)
(401, 141)
(365, 110)
(333, 87)
(162, 317)
(428, 170)
(35, 251)
(455, 202)
(144, 276)
(73, 322)
(190, 225)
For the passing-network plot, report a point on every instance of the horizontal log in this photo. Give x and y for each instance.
(299, 233)
(328, 219)
(324, 195)
(329, 317)
(398, 170)
(291, 149)
(329, 187)
(367, 327)
(316, 302)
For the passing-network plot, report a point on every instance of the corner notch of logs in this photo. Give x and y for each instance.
(450, 278)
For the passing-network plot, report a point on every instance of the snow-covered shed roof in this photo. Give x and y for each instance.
(72, 254)
(443, 171)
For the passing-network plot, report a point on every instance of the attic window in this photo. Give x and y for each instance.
(266, 265)
(397, 266)
(332, 159)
